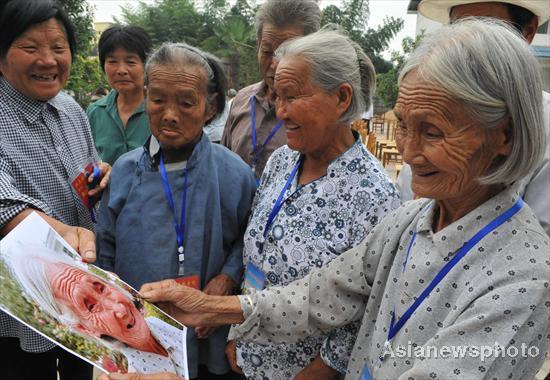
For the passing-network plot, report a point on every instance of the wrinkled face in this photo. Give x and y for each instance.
(445, 147)
(272, 37)
(37, 63)
(124, 70)
(101, 308)
(486, 9)
(310, 114)
(177, 105)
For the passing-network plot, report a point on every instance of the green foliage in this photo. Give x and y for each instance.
(387, 88)
(86, 77)
(352, 17)
(81, 15)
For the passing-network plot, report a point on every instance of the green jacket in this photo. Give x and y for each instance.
(111, 139)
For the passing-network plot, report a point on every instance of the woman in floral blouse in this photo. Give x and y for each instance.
(336, 192)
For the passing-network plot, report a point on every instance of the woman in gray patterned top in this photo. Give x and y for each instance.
(452, 286)
(44, 139)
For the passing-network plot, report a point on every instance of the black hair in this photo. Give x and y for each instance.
(131, 38)
(521, 17)
(16, 16)
(218, 84)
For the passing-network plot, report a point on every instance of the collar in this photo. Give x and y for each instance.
(260, 96)
(29, 108)
(109, 102)
(472, 221)
(152, 148)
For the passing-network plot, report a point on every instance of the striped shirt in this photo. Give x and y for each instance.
(42, 146)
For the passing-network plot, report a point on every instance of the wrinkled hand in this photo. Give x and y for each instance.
(104, 174)
(317, 369)
(180, 301)
(221, 285)
(139, 376)
(231, 353)
(81, 239)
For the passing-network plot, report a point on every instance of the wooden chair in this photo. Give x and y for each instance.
(361, 127)
(390, 154)
(377, 124)
(390, 130)
(371, 143)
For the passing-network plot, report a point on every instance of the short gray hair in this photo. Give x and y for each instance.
(287, 13)
(334, 59)
(484, 64)
(181, 54)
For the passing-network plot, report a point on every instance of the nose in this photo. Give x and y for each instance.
(119, 309)
(410, 147)
(170, 116)
(122, 69)
(280, 108)
(47, 57)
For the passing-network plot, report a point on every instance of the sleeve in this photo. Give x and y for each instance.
(228, 129)
(471, 348)
(106, 232)
(12, 201)
(307, 306)
(338, 345)
(233, 265)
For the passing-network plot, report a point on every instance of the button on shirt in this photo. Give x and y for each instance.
(237, 135)
(111, 138)
(42, 145)
(497, 294)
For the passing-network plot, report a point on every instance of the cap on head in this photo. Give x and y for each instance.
(439, 10)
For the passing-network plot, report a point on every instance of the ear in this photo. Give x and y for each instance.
(531, 29)
(344, 95)
(504, 138)
(211, 107)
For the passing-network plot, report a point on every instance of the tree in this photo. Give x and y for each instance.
(387, 88)
(86, 75)
(353, 18)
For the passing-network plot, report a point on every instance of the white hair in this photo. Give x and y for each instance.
(335, 59)
(484, 64)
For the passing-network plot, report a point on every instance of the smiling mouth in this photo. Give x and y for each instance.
(291, 127)
(44, 78)
(427, 174)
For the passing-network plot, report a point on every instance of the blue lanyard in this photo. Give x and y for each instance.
(279, 202)
(180, 228)
(255, 151)
(494, 224)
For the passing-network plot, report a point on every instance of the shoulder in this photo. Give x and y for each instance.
(67, 105)
(225, 160)
(127, 162)
(280, 159)
(244, 94)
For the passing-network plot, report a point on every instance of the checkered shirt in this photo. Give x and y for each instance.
(42, 146)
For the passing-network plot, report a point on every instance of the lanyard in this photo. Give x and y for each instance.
(279, 202)
(180, 228)
(255, 151)
(490, 227)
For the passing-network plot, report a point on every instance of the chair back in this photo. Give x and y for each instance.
(371, 142)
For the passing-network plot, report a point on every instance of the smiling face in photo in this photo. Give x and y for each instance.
(37, 63)
(101, 309)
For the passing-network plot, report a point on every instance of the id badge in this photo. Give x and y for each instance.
(254, 278)
(80, 182)
(191, 280)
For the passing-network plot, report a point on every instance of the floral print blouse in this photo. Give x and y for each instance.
(317, 222)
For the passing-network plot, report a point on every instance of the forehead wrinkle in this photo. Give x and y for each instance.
(426, 98)
(164, 74)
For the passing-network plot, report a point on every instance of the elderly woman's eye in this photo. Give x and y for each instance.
(99, 287)
(29, 48)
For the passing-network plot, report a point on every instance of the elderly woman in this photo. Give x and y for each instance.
(178, 206)
(450, 287)
(253, 130)
(119, 122)
(318, 197)
(87, 304)
(44, 139)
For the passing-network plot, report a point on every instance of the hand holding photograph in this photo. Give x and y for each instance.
(90, 312)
